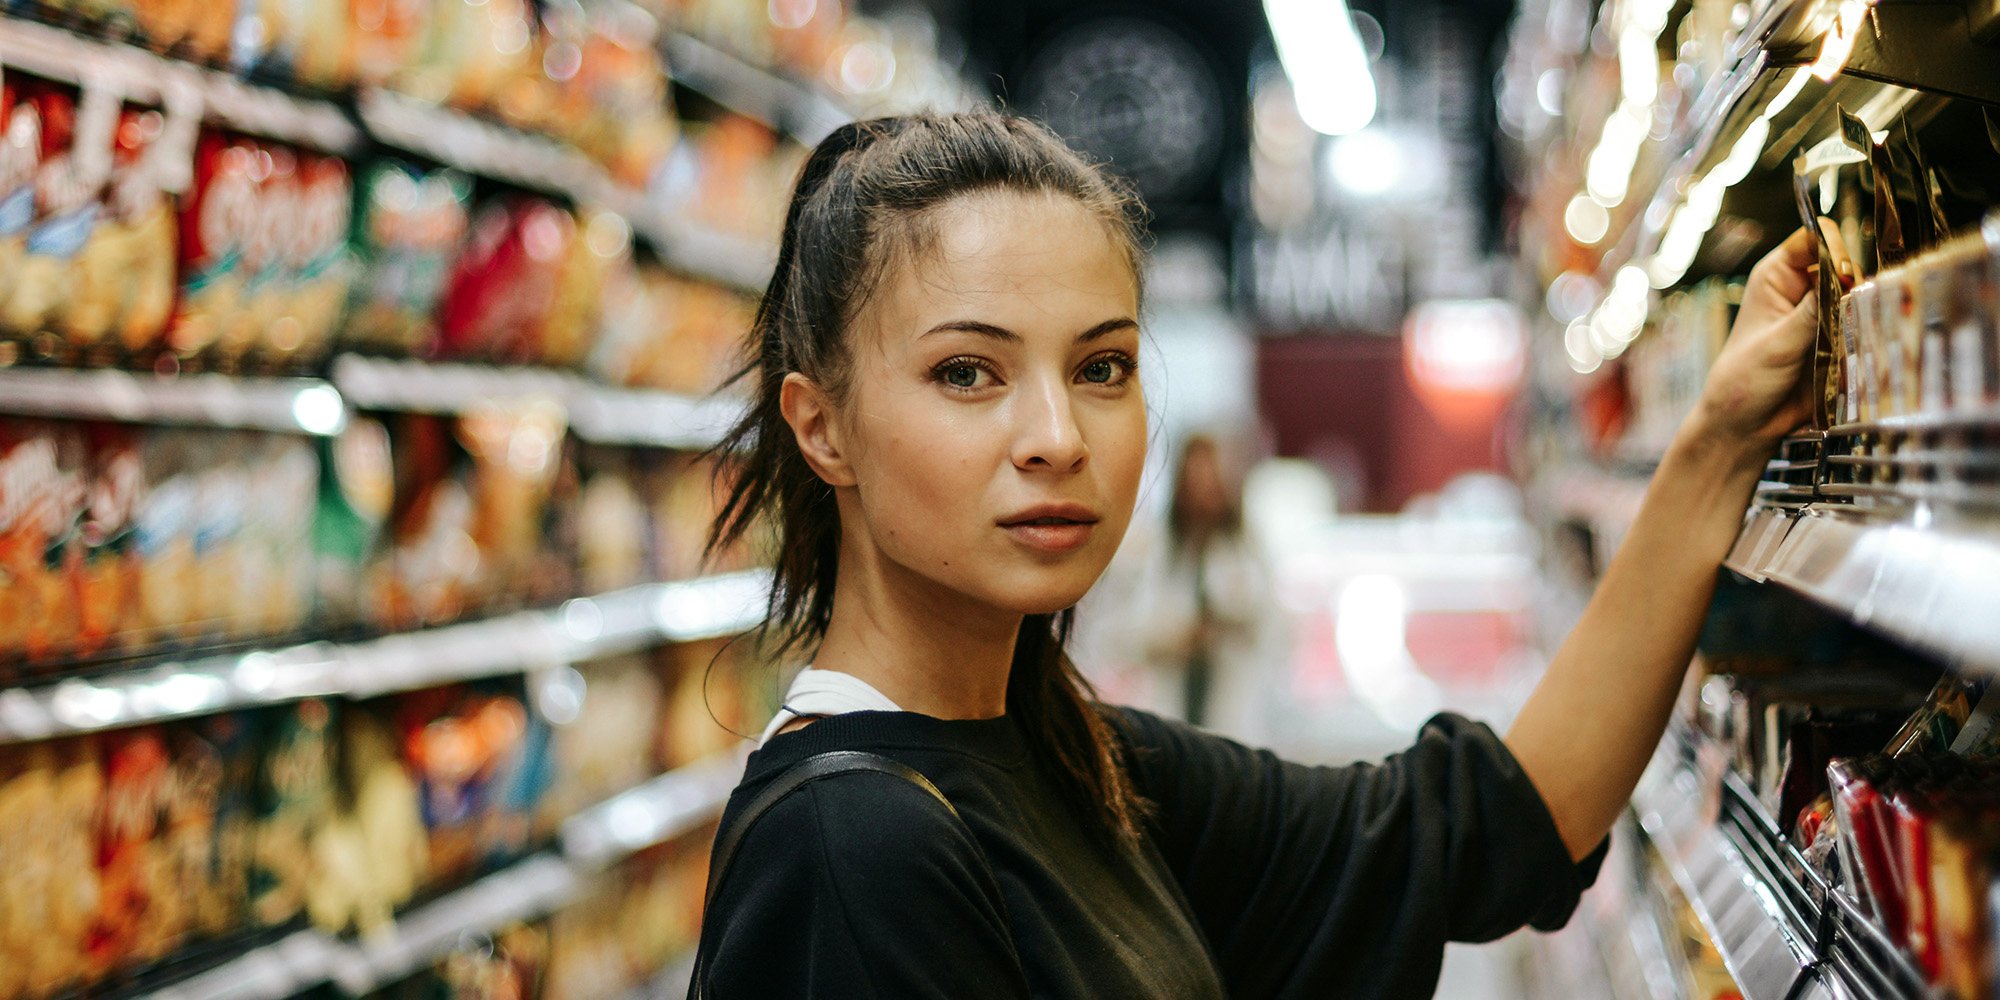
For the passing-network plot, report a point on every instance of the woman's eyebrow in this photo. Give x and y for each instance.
(1001, 333)
(1106, 327)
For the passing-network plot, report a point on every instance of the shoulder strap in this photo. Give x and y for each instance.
(822, 765)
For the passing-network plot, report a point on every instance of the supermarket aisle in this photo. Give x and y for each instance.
(1387, 620)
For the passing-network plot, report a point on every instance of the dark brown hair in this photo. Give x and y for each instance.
(864, 199)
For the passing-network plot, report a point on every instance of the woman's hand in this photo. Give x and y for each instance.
(1754, 395)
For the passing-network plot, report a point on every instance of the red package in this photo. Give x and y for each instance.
(218, 220)
(1912, 811)
(1867, 856)
(128, 930)
(503, 285)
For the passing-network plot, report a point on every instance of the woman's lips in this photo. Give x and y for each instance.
(1052, 538)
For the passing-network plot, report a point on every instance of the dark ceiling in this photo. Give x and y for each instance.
(1116, 95)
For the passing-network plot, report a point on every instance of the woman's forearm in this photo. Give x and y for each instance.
(1591, 724)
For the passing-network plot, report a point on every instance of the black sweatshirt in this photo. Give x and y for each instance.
(1255, 877)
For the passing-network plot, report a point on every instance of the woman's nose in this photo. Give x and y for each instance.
(1047, 435)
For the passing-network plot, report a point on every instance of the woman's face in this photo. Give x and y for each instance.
(994, 426)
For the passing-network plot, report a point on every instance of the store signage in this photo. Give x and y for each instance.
(1327, 277)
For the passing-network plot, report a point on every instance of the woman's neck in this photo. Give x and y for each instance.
(928, 650)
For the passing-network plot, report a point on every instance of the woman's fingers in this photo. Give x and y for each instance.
(1836, 246)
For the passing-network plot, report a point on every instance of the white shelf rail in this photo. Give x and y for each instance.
(576, 631)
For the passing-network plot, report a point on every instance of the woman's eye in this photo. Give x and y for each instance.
(961, 376)
(1109, 370)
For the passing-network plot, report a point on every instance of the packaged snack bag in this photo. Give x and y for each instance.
(1975, 328)
(608, 746)
(504, 283)
(431, 569)
(131, 928)
(125, 272)
(1913, 810)
(294, 797)
(186, 838)
(52, 796)
(321, 269)
(1850, 329)
(221, 556)
(453, 744)
(515, 454)
(218, 754)
(408, 231)
(603, 244)
(271, 223)
(613, 528)
(523, 776)
(109, 583)
(616, 106)
(219, 218)
(1866, 342)
(384, 36)
(1866, 855)
(472, 50)
(20, 161)
(1961, 846)
(303, 42)
(356, 490)
(276, 577)
(164, 535)
(376, 852)
(42, 499)
(77, 129)
(1933, 376)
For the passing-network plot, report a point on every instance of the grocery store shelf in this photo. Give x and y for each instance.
(410, 386)
(480, 147)
(577, 631)
(731, 261)
(751, 90)
(1925, 584)
(1920, 46)
(419, 938)
(674, 804)
(656, 812)
(1750, 928)
(287, 405)
(285, 968)
(58, 54)
(652, 419)
(1783, 932)
(597, 413)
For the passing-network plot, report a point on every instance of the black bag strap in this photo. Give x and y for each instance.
(821, 765)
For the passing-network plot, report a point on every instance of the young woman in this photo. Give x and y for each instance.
(948, 433)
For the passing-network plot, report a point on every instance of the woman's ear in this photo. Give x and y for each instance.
(809, 411)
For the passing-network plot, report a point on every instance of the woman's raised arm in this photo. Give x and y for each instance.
(1593, 721)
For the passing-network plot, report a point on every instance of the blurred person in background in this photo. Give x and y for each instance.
(1189, 602)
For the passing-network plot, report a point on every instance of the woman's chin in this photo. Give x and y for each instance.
(1047, 602)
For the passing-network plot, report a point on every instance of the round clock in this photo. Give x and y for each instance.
(1135, 93)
